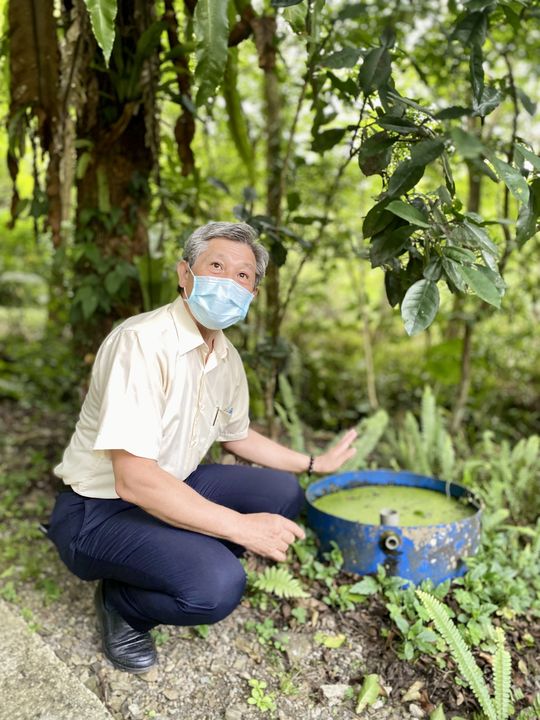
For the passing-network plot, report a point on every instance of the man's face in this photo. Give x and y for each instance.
(221, 258)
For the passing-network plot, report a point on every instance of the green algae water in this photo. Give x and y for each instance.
(416, 506)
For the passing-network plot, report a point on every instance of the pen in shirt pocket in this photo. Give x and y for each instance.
(228, 411)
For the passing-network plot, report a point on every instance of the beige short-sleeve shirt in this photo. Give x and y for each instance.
(158, 392)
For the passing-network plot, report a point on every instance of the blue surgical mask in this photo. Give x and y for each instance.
(217, 303)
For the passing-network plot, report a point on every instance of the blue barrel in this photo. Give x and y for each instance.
(414, 553)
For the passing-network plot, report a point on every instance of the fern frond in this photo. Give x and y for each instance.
(280, 582)
(294, 424)
(430, 421)
(370, 431)
(466, 663)
(502, 674)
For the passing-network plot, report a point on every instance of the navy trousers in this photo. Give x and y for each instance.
(154, 573)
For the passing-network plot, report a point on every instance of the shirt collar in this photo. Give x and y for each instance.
(189, 336)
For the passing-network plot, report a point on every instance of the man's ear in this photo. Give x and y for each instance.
(183, 273)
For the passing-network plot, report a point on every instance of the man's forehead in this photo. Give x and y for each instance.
(225, 249)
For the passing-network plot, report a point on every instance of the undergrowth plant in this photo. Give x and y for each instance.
(507, 477)
(496, 707)
(424, 446)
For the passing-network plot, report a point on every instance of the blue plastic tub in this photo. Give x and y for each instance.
(414, 553)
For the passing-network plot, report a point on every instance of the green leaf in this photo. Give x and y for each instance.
(529, 105)
(467, 144)
(366, 586)
(483, 282)
(102, 17)
(330, 641)
(479, 238)
(369, 692)
(512, 178)
(408, 212)
(471, 29)
(280, 582)
(459, 254)
(453, 112)
(296, 17)
(398, 124)
(346, 58)
(426, 151)
(477, 72)
(490, 100)
(387, 245)
(527, 154)
(502, 676)
(406, 176)
(212, 32)
(528, 214)
(375, 70)
(460, 652)
(283, 3)
(377, 219)
(419, 306)
(438, 713)
(375, 153)
(327, 139)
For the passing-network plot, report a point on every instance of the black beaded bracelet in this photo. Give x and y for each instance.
(310, 466)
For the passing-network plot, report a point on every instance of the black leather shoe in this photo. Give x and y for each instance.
(126, 648)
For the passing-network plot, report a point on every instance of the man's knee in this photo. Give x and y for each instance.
(217, 594)
(292, 495)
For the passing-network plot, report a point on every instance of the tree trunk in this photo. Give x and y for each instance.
(264, 29)
(113, 195)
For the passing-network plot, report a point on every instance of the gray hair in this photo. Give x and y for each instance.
(239, 232)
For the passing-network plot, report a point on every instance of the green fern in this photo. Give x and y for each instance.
(502, 673)
(288, 415)
(280, 582)
(370, 431)
(466, 663)
(424, 446)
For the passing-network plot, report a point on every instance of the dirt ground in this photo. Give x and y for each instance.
(208, 677)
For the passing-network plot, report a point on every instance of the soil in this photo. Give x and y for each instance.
(207, 678)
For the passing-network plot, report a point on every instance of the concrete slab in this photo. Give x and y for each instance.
(34, 683)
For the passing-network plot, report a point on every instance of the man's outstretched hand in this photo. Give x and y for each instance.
(268, 535)
(334, 457)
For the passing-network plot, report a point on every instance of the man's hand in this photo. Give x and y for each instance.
(267, 534)
(333, 459)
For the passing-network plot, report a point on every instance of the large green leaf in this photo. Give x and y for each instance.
(490, 100)
(528, 214)
(212, 31)
(512, 178)
(402, 125)
(426, 151)
(451, 270)
(479, 238)
(387, 245)
(485, 283)
(406, 176)
(375, 70)
(102, 16)
(327, 139)
(529, 155)
(419, 306)
(346, 58)
(375, 153)
(471, 29)
(408, 212)
(283, 3)
(477, 72)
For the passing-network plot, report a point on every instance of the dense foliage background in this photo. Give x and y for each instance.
(387, 152)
